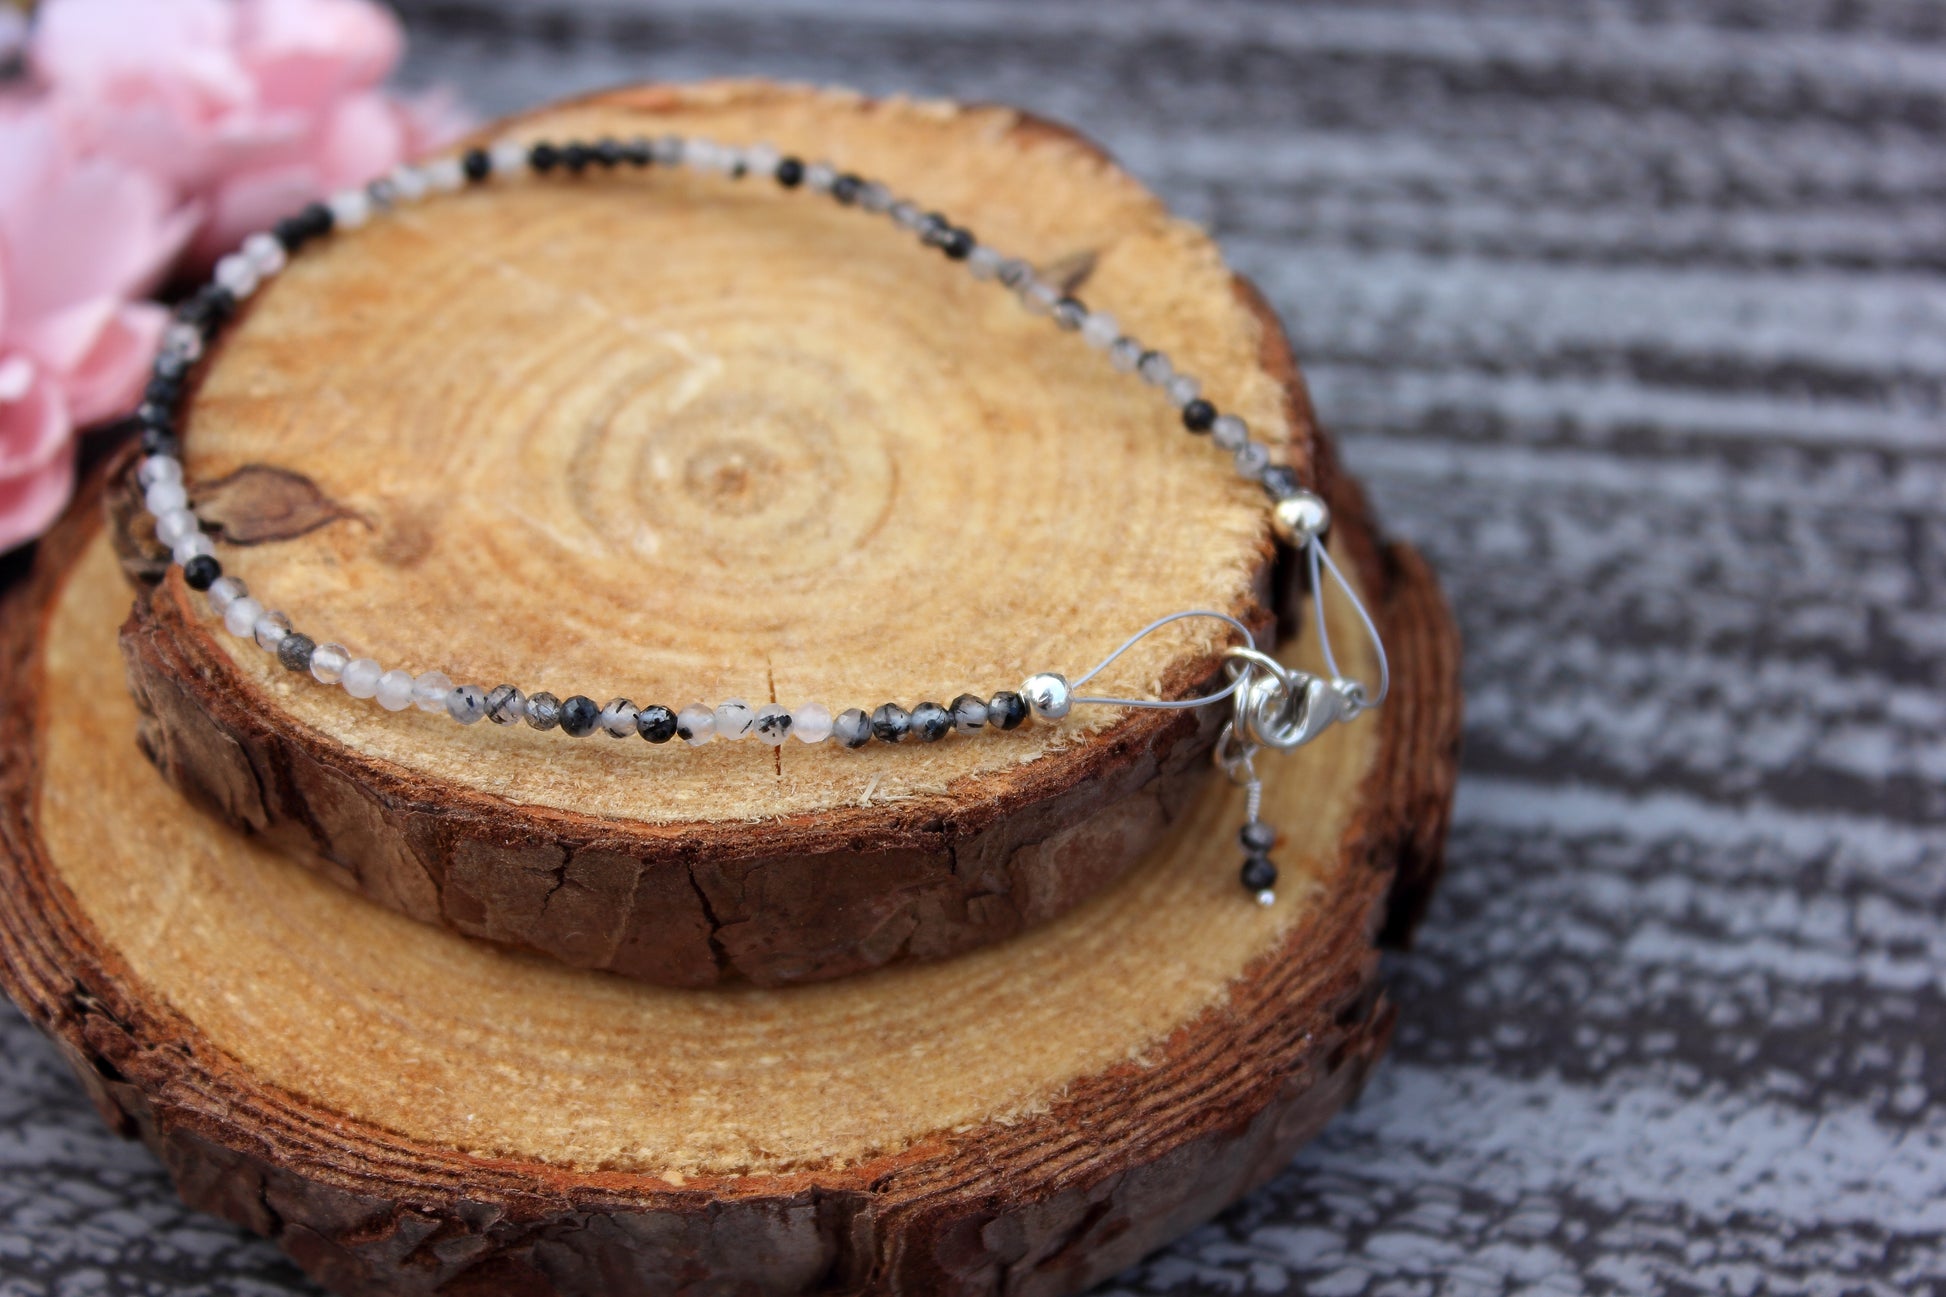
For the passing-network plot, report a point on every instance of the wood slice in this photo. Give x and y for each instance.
(407, 1111)
(678, 438)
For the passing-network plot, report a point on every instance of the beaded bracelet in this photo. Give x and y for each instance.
(1274, 706)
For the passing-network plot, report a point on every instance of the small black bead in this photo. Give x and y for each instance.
(1280, 482)
(160, 441)
(845, 188)
(477, 164)
(790, 173)
(957, 243)
(931, 722)
(1070, 313)
(294, 651)
(1258, 874)
(576, 157)
(317, 219)
(934, 228)
(1257, 837)
(637, 152)
(200, 573)
(165, 392)
(543, 157)
(578, 716)
(891, 723)
(656, 723)
(1198, 415)
(150, 414)
(1006, 710)
(608, 152)
(291, 233)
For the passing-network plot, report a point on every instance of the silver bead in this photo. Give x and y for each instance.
(1048, 694)
(1300, 518)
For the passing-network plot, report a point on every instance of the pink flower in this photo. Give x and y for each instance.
(248, 107)
(79, 238)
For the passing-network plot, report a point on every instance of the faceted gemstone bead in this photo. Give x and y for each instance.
(969, 714)
(891, 723)
(852, 727)
(506, 705)
(269, 630)
(1258, 874)
(360, 679)
(194, 545)
(1154, 367)
(543, 711)
(773, 724)
(1100, 330)
(1252, 458)
(931, 722)
(696, 724)
(983, 261)
(1006, 710)
(956, 243)
(656, 723)
(429, 690)
(201, 572)
(1183, 389)
(159, 468)
(176, 525)
(1280, 481)
(294, 651)
(1257, 837)
(328, 662)
(811, 723)
(579, 716)
(466, 703)
(618, 718)
(240, 618)
(1125, 354)
(734, 719)
(1229, 432)
(395, 690)
(1069, 312)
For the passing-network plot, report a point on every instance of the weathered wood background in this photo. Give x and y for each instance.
(1632, 315)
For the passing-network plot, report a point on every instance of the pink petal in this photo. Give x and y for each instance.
(97, 230)
(179, 53)
(31, 502)
(34, 428)
(305, 53)
(362, 138)
(109, 379)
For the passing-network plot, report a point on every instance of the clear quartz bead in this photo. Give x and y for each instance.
(1039, 296)
(408, 183)
(734, 719)
(1100, 330)
(445, 175)
(183, 340)
(696, 725)
(852, 728)
(224, 591)
(762, 159)
(165, 497)
(194, 545)
(984, 262)
(773, 724)
(240, 616)
(236, 274)
(350, 208)
(466, 703)
(1125, 355)
(618, 718)
(820, 176)
(669, 150)
(1229, 432)
(360, 678)
(875, 197)
(1183, 389)
(269, 630)
(1252, 459)
(176, 524)
(429, 691)
(328, 662)
(509, 158)
(265, 253)
(1156, 369)
(159, 468)
(811, 723)
(395, 690)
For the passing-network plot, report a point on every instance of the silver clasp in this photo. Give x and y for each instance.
(1278, 707)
